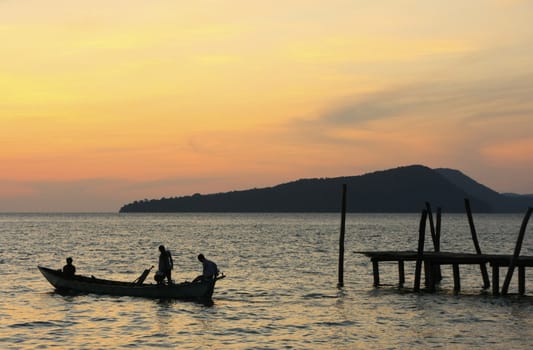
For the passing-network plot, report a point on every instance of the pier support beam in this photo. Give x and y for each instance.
(495, 279)
(435, 236)
(375, 268)
(518, 247)
(420, 251)
(521, 280)
(432, 276)
(483, 267)
(401, 272)
(456, 279)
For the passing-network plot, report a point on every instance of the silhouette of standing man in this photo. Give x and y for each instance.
(165, 263)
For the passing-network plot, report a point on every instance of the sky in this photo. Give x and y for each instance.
(107, 102)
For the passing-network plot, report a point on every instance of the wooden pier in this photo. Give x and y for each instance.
(433, 260)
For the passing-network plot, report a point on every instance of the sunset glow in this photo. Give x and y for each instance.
(103, 103)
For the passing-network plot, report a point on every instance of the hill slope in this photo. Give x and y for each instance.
(403, 189)
(497, 201)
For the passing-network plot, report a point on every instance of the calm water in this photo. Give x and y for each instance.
(280, 292)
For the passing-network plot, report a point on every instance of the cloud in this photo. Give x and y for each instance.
(452, 100)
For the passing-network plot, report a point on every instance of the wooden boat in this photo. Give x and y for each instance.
(201, 291)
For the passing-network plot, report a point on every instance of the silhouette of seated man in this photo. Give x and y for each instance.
(69, 270)
(209, 271)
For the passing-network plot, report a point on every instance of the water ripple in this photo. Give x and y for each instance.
(281, 295)
(42, 324)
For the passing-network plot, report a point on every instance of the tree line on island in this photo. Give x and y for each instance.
(400, 190)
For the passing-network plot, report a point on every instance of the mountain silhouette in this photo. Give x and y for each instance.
(400, 190)
(497, 201)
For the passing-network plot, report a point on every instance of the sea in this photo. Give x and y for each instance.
(281, 286)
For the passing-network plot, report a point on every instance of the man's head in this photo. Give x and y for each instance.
(69, 260)
(201, 257)
(161, 248)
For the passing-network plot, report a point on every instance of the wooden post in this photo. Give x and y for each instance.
(341, 240)
(431, 226)
(456, 278)
(420, 251)
(518, 247)
(375, 268)
(435, 236)
(482, 266)
(431, 276)
(401, 272)
(438, 227)
(521, 280)
(427, 274)
(495, 279)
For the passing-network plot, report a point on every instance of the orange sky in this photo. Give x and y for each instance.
(103, 103)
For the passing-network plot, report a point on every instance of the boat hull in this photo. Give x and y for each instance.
(200, 291)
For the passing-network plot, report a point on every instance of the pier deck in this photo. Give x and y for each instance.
(432, 260)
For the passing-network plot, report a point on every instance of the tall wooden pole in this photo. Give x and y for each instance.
(482, 266)
(435, 236)
(518, 247)
(432, 226)
(438, 227)
(420, 250)
(341, 239)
